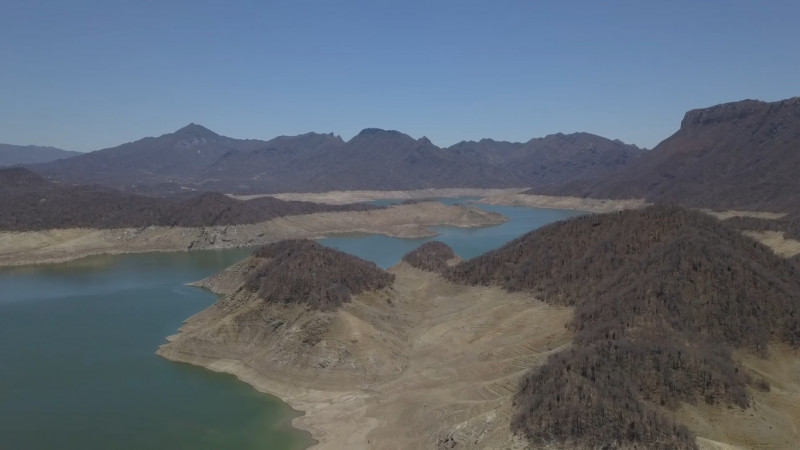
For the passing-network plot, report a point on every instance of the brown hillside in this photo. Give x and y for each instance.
(660, 294)
(740, 155)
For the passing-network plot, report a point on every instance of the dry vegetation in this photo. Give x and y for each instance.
(432, 256)
(660, 295)
(302, 271)
(29, 202)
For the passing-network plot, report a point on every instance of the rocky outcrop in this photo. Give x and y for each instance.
(740, 155)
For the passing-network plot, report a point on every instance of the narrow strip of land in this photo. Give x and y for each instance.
(344, 197)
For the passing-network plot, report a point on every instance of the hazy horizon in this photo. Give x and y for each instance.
(90, 75)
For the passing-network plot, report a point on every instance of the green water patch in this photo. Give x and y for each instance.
(77, 341)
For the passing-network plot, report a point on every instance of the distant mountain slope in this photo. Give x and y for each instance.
(198, 158)
(554, 159)
(174, 157)
(11, 155)
(741, 155)
(387, 159)
(661, 296)
(29, 202)
(278, 162)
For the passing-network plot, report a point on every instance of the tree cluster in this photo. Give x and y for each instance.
(303, 271)
(431, 256)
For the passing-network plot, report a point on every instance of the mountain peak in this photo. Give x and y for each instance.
(196, 130)
(378, 131)
(381, 137)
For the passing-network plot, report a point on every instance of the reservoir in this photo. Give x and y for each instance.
(78, 341)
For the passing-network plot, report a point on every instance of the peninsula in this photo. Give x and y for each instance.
(678, 334)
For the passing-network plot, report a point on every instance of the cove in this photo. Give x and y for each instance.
(466, 242)
(77, 343)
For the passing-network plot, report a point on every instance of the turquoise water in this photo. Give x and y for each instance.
(77, 343)
(466, 242)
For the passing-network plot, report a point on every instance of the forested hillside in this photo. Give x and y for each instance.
(661, 296)
(300, 271)
(29, 202)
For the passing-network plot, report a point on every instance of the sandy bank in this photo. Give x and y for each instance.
(342, 197)
(777, 242)
(407, 221)
(423, 364)
(574, 203)
(729, 214)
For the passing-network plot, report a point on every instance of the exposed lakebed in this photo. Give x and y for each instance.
(77, 342)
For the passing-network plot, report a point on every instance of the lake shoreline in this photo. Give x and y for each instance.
(404, 221)
(436, 362)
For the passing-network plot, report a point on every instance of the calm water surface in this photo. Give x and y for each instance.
(77, 343)
(466, 242)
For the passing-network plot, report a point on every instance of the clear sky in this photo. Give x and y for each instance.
(85, 75)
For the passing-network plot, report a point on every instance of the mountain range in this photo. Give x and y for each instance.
(740, 155)
(197, 158)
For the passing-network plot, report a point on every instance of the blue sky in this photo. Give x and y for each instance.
(84, 75)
